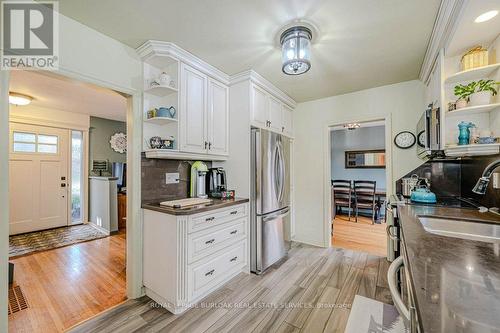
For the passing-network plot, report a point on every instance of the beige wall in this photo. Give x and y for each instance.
(401, 103)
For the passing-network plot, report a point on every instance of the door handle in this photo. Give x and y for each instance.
(396, 296)
(276, 215)
(209, 145)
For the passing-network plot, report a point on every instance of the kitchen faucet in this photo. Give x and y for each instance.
(482, 183)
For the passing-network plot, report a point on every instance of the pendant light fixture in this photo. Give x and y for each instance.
(296, 50)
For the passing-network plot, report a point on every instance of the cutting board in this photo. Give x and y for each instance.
(182, 203)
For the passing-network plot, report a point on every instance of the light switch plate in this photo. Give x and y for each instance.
(172, 178)
(496, 180)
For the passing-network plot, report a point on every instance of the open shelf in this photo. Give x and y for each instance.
(160, 120)
(174, 154)
(161, 61)
(160, 90)
(472, 150)
(472, 74)
(473, 110)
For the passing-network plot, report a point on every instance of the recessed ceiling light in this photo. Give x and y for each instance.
(19, 99)
(486, 16)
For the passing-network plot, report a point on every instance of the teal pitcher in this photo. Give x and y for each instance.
(464, 132)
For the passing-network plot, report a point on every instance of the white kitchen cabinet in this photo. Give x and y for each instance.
(259, 106)
(188, 257)
(286, 120)
(218, 118)
(193, 110)
(275, 116)
(269, 112)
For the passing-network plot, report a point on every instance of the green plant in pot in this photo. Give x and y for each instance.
(484, 90)
(462, 92)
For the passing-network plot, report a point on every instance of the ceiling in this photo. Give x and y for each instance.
(361, 43)
(468, 33)
(55, 92)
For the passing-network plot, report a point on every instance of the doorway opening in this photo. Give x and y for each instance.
(358, 186)
(67, 198)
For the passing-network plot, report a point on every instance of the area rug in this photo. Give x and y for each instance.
(51, 239)
(371, 316)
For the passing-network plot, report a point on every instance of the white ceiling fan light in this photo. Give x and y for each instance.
(486, 16)
(19, 99)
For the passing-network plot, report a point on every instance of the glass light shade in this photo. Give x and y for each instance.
(19, 99)
(296, 50)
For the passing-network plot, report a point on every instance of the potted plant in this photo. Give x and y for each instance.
(484, 90)
(463, 92)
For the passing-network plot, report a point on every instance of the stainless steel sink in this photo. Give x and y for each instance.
(466, 229)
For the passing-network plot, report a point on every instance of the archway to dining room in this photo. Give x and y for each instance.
(358, 179)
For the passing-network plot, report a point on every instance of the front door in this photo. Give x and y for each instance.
(38, 166)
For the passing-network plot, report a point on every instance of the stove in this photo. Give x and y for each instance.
(444, 201)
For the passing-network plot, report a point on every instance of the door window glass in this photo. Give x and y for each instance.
(76, 176)
(23, 142)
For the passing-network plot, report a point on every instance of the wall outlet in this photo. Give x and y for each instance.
(172, 178)
(496, 180)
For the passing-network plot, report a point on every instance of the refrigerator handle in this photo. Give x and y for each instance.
(276, 173)
(275, 215)
(282, 172)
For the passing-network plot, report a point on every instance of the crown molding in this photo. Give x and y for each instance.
(446, 22)
(153, 48)
(258, 79)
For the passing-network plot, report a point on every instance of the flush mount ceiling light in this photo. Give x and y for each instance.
(296, 50)
(19, 99)
(352, 126)
(486, 16)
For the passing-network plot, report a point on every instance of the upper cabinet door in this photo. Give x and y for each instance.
(275, 114)
(287, 120)
(218, 118)
(259, 106)
(193, 106)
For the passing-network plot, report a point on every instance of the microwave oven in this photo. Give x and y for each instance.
(429, 133)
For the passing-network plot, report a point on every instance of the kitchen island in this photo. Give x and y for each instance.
(455, 281)
(190, 252)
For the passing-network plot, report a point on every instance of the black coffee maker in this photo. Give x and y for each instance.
(216, 182)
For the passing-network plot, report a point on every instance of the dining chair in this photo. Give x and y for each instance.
(342, 196)
(364, 197)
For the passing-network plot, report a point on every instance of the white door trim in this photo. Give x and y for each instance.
(327, 193)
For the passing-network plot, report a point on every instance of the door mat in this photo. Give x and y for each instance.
(369, 316)
(51, 239)
(17, 301)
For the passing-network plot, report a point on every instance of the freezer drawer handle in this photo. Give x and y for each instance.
(208, 219)
(210, 272)
(233, 259)
(233, 232)
(234, 212)
(210, 241)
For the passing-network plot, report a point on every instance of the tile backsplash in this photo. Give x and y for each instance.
(153, 187)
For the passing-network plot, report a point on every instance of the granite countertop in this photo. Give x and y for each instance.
(456, 281)
(215, 204)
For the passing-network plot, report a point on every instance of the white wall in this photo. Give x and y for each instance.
(363, 138)
(88, 55)
(402, 103)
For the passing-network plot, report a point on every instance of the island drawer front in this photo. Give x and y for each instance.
(206, 242)
(207, 274)
(216, 217)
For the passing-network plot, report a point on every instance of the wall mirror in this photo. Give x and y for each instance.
(367, 159)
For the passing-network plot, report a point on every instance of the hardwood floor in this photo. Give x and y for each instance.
(312, 291)
(68, 285)
(360, 236)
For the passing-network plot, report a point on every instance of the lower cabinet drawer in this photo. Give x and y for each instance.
(217, 217)
(206, 242)
(216, 269)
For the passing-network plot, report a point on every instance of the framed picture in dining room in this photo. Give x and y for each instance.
(365, 159)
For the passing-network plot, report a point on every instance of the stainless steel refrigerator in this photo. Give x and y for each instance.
(270, 198)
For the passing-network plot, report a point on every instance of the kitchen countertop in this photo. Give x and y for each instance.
(215, 204)
(456, 281)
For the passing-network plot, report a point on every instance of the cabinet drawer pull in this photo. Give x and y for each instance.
(208, 219)
(210, 241)
(234, 212)
(233, 259)
(233, 232)
(210, 272)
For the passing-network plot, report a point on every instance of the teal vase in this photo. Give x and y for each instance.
(464, 132)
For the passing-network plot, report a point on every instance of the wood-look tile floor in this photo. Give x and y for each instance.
(67, 285)
(359, 236)
(312, 291)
